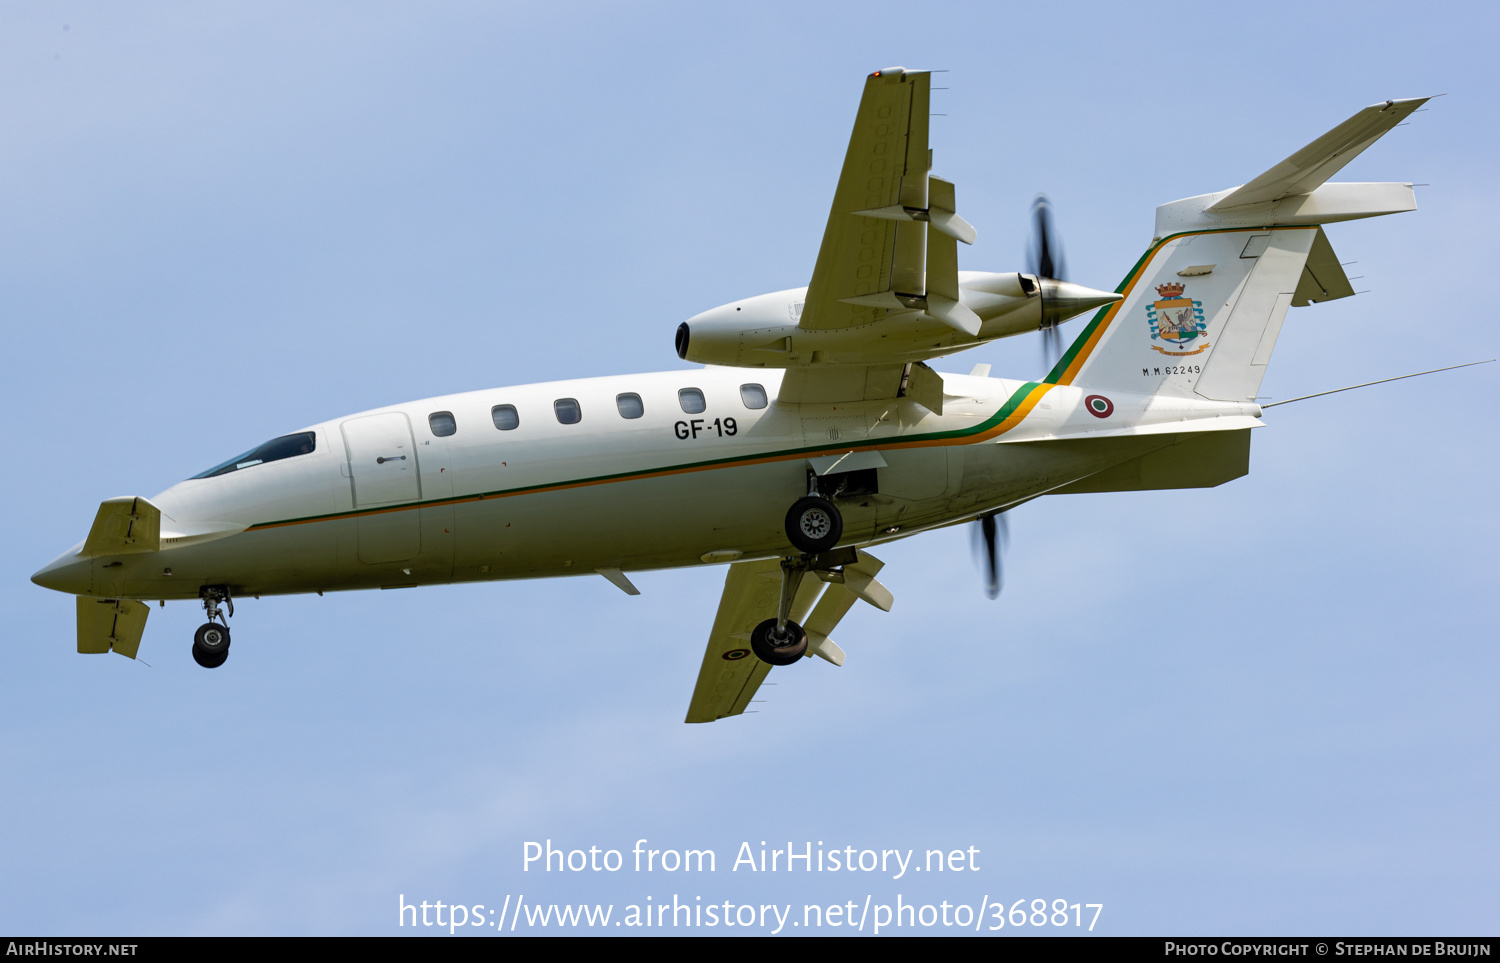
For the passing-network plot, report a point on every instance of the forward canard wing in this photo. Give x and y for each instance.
(731, 673)
(124, 526)
(106, 625)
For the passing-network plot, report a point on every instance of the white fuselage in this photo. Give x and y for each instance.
(384, 501)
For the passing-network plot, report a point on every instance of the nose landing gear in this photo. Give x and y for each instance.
(211, 641)
(813, 526)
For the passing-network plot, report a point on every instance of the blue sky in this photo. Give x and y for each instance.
(1266, 708)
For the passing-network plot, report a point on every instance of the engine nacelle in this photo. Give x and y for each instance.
(762, 332)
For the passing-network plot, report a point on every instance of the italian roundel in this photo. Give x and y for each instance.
(1099, 406)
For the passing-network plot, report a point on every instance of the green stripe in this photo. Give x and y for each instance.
(1004, 411)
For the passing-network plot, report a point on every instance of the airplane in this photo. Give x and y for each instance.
(814, 431)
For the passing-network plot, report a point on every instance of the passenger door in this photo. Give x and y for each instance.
(383, 466)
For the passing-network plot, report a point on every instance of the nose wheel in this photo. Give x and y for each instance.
(211, 641)
(211, 645)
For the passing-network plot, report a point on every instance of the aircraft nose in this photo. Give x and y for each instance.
(66, 573)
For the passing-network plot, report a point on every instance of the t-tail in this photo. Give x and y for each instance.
(1204, 305)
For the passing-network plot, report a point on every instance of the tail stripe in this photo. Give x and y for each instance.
(1078, 352)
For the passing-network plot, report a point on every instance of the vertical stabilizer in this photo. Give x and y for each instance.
(1201, 314)
(1203, 307)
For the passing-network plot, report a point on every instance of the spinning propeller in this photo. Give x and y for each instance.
(994, 533)
(1061, 300)
(1046, 262)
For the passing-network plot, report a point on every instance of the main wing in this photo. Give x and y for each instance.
(731, 674)
(874, 255)
(890, 243)
(885, 293)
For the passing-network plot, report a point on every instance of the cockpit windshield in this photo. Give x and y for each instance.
(274, 450)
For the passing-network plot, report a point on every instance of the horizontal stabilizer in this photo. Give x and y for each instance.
(1307, 169)
(124, 526)
(111, 624)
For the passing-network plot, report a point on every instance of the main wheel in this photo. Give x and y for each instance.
(211, 645)
(774, 651)
(814, 525)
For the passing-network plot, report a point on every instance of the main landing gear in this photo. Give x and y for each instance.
(781, 641)
(813, 523)
(211, 641)
(813, 526)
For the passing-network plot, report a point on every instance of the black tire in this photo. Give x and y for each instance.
(211, 645)
(209, 661)
(814, 525)
(778, 652)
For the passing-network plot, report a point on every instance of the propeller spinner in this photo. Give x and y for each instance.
(1046, 263)
(1061, 299)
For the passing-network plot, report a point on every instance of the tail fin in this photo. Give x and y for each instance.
(1204, 305)
(1202, 311)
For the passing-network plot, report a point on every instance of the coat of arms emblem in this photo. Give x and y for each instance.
(1177, 324)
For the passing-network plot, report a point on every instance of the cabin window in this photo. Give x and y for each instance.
(276, 449)
(630, 405)
(568, 412)
(505, 417)
(754, 396)
(442, 423)
(691, 400)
